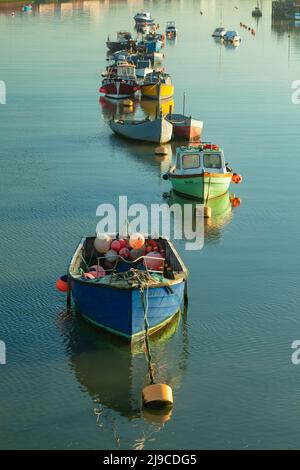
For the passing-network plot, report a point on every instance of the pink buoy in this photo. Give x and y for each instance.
(89, 276)
(115, 245)
(154, 261)
(124, 252)
(122, 243)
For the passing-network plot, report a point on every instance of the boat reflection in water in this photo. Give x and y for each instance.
(152, 108)
(116, 108)
(114, 373)
(221, 212)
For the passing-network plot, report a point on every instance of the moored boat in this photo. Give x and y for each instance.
(200, 172)
(143, 18)
(157, 86)
(124, 42)
(157, 130)
(129, 298)
(185, 127)
(232, 37)
(219, 32)
(120, 81)
(171, 30)
(27, 7)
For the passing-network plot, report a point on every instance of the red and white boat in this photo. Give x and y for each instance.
(185, 127)
(120, 81)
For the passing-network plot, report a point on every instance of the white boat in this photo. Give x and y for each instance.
(143, 18)
(158, 130)
(219, 32)
(232, 37)
(171, 30)
(143, 67)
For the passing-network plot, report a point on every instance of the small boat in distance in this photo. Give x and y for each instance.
(27, 7)
(157, 130)
(232, 36)
(219, 32)
(200, 172)
(171, 30)
(158, 86)
(147, 289)
(143, 18)
(124, 42)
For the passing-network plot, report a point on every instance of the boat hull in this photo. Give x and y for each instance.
(118, 90)
(121, 311)
(201, 187)
(157, 131)
(157, 91)
(186, 128)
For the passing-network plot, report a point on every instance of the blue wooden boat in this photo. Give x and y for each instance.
(117, 301)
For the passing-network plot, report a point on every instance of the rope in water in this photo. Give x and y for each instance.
(148, 351)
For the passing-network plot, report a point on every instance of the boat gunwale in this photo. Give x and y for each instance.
(202, 175)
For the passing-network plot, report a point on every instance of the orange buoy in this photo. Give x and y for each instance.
(236, 178)
(158, 396)
(253, 32)
(62, 283)
(136, 240)
(162, 150)
(236, 201)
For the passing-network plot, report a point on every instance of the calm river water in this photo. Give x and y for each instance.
(229, 359)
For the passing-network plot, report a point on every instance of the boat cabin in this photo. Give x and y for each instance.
(219, 32)
(125, 70)
(143, 16)
(157, 77)
(205, 158)
(171, 27)
(232, 36)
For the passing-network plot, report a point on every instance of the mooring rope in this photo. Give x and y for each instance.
(145, 303)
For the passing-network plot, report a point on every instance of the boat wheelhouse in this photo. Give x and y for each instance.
(232, 37)
(171, 30)
(143, 18)
(219, 32)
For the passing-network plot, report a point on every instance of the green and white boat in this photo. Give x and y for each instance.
(200, 172)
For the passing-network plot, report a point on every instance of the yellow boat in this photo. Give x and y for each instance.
(157, 86)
